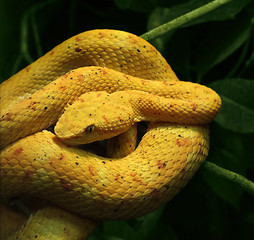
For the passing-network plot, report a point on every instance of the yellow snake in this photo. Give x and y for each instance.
(37, 162)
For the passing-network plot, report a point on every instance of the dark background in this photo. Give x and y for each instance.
(214, 50)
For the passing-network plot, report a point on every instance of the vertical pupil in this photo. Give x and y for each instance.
(90, 128)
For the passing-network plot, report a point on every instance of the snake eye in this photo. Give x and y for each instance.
(90, 129)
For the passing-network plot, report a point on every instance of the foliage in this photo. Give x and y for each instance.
(215, 49)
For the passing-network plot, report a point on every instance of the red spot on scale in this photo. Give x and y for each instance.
(18, 151)
(51, 52)
(78, 39)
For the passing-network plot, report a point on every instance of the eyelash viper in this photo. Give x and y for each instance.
(36, 162)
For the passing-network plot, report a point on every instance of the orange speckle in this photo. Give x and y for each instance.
(181, 142)
(161, 164)
(66, 75)
(18, 151)
(117, 176)
(52, 161)
(104, 72)
(194, 106)
(101, 35)
(65, 184)
(62, 88)
(28, 68)
(81, 99)
(126, 77)
(106, 120)
(52, 52)
(133, 39)
(136, 179)
(78, 39)
(91, 170)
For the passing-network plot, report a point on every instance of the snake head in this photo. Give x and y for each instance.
(94, 116)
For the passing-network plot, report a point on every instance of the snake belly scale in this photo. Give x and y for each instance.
(35, 162)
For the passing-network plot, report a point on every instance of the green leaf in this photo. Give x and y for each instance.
(123, 4)
(139, 6)
(222, 40)
(237, 112)
(142, 228)
(227, 191)
(161, 15)
(226, 151)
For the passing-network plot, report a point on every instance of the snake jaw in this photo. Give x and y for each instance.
(90, 135)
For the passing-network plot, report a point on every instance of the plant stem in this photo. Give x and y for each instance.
(177, 22)
(245, 183)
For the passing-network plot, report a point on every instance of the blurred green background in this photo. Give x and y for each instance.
(215, 50)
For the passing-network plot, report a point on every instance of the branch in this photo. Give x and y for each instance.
(177, 22)
(246, 184)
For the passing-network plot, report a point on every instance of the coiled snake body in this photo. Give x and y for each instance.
(36, 162)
